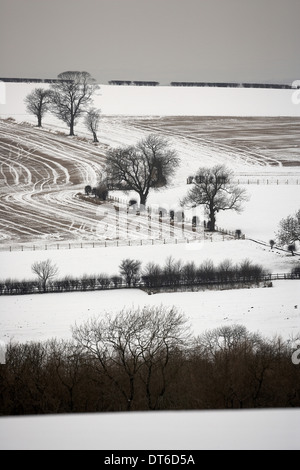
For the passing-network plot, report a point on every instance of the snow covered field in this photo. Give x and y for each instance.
(93, 261)
(41, 171)
(270, 311)
(175, 101)
(198, 430)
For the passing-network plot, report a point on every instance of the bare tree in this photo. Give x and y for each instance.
(136, 345)
(45, 271)
(71, 95)
(215, 189)
(172, 271)
(289, 230)
(149, 164)
(226, 338)
(152, 274)
(37, 103)
(91, 122)
(130, 268)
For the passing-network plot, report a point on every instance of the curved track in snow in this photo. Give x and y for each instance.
(250, 146)
(41, 172)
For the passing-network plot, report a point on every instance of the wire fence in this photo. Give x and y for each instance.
(203, 236)
(269, 181)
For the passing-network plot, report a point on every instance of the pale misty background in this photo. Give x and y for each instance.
(161, 40)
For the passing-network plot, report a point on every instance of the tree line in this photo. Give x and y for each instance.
(148, 359)
(132, 274)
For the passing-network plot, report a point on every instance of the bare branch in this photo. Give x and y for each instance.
(215, 189)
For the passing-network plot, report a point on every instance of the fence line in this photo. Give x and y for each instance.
(267, 181)
(97, 244)
(277, 180)
(115, 282)
(198, 236)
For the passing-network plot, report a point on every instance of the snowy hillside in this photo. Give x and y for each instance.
(42, 171)
(174, 101)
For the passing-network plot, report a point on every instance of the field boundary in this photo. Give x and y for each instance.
(222, 235)
(87, 284)
(269, 181)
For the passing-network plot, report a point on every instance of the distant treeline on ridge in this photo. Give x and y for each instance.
(154, 83)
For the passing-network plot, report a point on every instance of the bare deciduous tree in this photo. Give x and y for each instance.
(215, 189)
(289, 230)
(152, 274)
(149, 164)
(91, 122)
(37, 103)
(71, 95)
(226, 338)
(136, 345)
(130, 268)
(45, 271)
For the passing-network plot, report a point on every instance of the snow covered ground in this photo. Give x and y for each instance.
(270, 311)
(174, 101)
(162, 431)
(41, 173)
(41, 170)
(93, 261)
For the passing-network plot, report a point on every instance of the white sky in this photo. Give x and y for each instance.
(162, 40)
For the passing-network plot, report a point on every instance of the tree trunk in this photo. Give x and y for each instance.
(72, 126)
(143, 199)
(39, 120)
(212, 221)
(131, 394)
(95, 137)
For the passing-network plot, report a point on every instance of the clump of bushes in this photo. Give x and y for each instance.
(176, 272)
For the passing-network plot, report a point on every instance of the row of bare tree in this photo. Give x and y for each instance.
(148, 360)
(131, 274)
(68, 98)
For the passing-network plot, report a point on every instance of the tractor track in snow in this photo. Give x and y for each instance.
(42, 171)
(41, 175)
